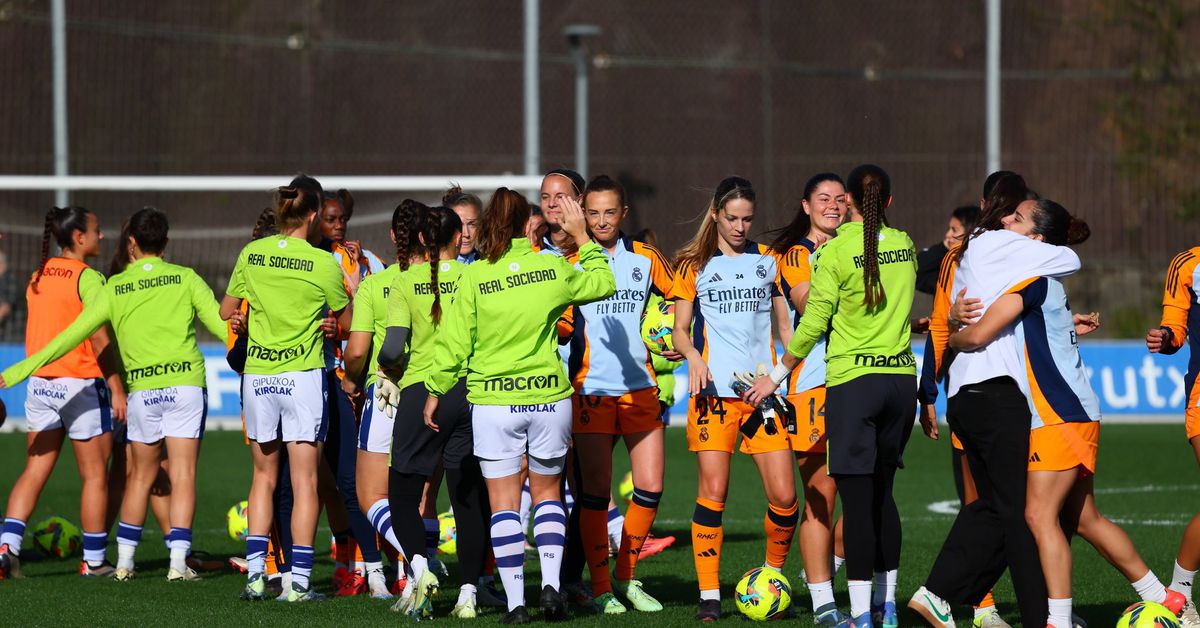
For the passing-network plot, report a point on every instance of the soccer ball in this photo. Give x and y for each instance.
(657, 322)
(763, 594)
(236, 520)
(447, 534)
(57, 537)
(626, 487)
(1148, 615)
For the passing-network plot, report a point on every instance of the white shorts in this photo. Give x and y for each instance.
(291, 406)
(176, 412)
(506, 432)
(375, 431)
(81, 406)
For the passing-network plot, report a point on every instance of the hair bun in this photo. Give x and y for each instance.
(448, 197)
(1078, 231)
(288, 192)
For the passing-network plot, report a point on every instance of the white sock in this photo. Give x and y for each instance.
(885, 587)
(125, 554)
(1182, 580)
(419, 565)
(1060, 612)
(838, 561)
(526, 505)
(821, 592)
(180, 544)
(508, 544)
(550, 536)
(710, 594)
(466, 593)
(1150, 589)
(179, 559)
(380, 516)
(860, 597)
(375, 566)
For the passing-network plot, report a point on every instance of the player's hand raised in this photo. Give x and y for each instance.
(572, 220)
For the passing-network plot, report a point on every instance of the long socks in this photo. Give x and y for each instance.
(780, 527)
(707, 536)
(638, 519)
(380, 514)
(508, 543)
(550, 536)
(593, 524)
(302, 562)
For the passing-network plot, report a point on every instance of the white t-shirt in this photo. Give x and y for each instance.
(994, 263)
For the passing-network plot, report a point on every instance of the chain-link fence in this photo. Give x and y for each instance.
(682, 94)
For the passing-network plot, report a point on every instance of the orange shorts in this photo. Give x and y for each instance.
(631, 413)
(1192, 422)
(713, 424)
(1064, 446)
(810, 421)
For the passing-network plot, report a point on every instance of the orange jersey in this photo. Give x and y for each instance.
(65, 286)
(938, 341)
(795, 268)
(1181, 318)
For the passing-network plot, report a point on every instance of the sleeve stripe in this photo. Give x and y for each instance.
(1173, 271)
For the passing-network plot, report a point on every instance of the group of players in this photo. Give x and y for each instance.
(502, 348)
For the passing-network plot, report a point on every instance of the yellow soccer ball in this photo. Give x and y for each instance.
(763, 594)
(1148, 615)
(237, 522)
(657, 322)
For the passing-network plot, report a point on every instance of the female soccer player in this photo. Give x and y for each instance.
(1179, 325)
(616, 397)
(727, 295)
(558, 186)
(468, 207)
(290, 284)
(68, 397)
(861, 295)
(1066, 416)
(152, 306)
(503, 319)
(822, 210)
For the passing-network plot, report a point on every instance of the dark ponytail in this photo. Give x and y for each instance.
(148, 227)
(265, 225)
(406, 224)
(61, 223)
(1056, 225)
(870, 187)
(1005, 191)
(437, 232)
(503, 221)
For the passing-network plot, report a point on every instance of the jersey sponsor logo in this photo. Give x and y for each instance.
(53, 391)
(518, 280)
(51, 271)
(166, 368)
(537, 407)
(280, 261)
(274, 355)
(623, 301)
(527, 382)
(424, 288)
(888, 257)
(272, 385)
(143, 284)
(159, 397)
(731, 300)
(885, 361)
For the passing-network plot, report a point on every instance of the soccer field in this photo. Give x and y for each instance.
(1147, 482)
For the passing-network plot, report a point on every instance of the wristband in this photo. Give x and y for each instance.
(780, 373)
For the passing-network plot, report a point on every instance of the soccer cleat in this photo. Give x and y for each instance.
(608, 604)
(238, 564)
(829, 615)
(932, 609)
(403, 603)
(637, 596)
(709, 610)
(1077, 621)
(438, 568)
(990, 619)
(885, 616)
(255, 590)
(465, 610)
(274, 585)
(340, 576)
(578, 594)
(187, 575)
(303, 594)
(422, 596)
(488, 595)
(353, 584)
(655, 545)
(1175, 602)
(517, 615)
(10, 564)
(104, 570)
(1189, 618)
(123, 575)
(377, 585)
(862, 621)
(554, 605)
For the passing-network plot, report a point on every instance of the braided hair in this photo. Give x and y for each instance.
(61, 223)
(438, 230)
(870, 188)
(406, 225)
(265, 225)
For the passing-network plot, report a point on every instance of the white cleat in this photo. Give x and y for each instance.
(174, 575)
(932, 609)
(377, 584)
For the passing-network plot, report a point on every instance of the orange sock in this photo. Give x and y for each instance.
(987, 601)
(343, 553)
(273, 558)
(707, 535)
(780, 525)
(358, 558)
(593, 529)
(638, 519)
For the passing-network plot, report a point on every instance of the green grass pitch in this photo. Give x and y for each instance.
(1147, 482)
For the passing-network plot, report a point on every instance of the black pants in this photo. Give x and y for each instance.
(992, 420)
(574, 557)
(468, 497)
(868, 421)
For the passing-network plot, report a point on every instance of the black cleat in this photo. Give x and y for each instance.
(517, 615)
(710, 610)
(554, 605)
